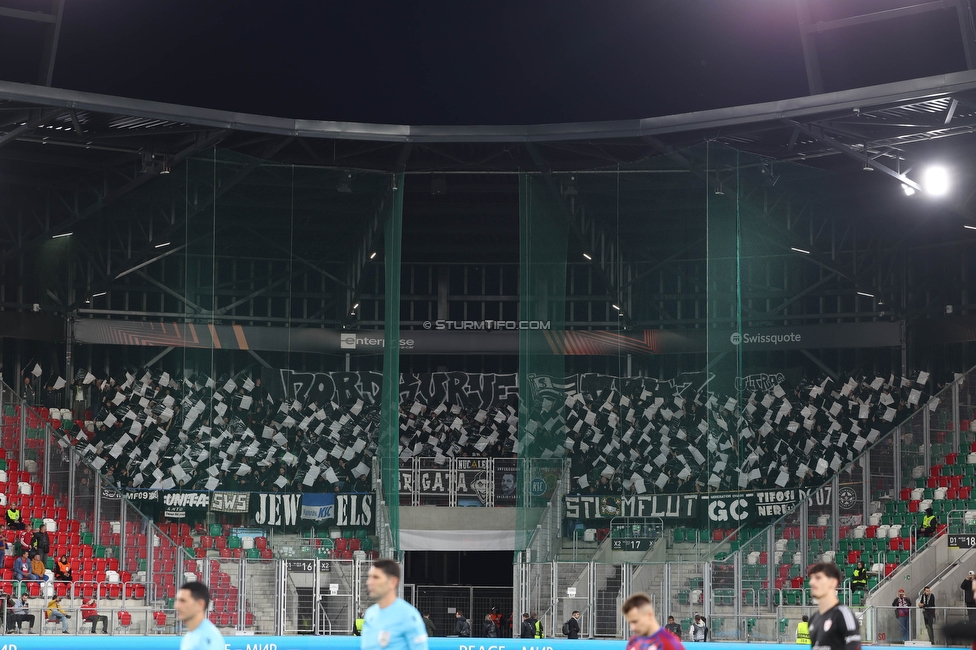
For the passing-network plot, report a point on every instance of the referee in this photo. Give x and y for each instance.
(833, 626)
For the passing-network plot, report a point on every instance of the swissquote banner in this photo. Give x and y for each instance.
(712, 510)
(481, 337)
(276, 509)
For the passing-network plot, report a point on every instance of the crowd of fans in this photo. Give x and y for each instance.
(159, 431)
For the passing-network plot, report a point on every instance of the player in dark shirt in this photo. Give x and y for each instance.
(833, 626)
(647, 632)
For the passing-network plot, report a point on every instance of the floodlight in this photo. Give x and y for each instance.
(935, 180)
(587, 256)
(372, 255)
(907, 189)
(968, 227)
(616, 307)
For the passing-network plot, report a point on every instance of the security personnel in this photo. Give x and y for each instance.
(929, 524)
(803, 631)
(539, 633)
(859, 580)
(14, 520)
(358, 630)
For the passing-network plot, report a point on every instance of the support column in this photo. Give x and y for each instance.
(865, 490)
(835, 513)
(97, 510)
(805, 530)
(927, 439)
(955, 417)
(896, 457)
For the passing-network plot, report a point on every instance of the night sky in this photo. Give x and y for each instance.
(505, 61)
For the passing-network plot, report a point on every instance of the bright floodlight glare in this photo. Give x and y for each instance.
(935, 180)
(908, 189)
(967, 227)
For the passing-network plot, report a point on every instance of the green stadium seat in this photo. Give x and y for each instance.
(679, 535)
(216, 530)
(87, 538)
(253, 553)
(233, 541)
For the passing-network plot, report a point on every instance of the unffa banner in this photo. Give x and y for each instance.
(184, 505)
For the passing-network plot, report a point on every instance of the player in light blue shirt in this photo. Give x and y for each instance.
(392, 623)
(192, 601)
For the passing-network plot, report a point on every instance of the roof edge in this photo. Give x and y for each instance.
(798, 107)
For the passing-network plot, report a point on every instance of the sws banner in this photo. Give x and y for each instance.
(482, 340)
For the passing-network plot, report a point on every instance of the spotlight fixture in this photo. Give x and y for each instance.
(587, 256)
(165, 169)
(865, 294)
(356, 306)
(343, 186)
(935, 180)
(907, 189)
(60, 235)
(799, 250)
(867, 167)
(719, 191)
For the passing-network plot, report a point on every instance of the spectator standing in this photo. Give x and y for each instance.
(926, 603)
(967, 588)
(697, 629)
(527, 630)
(41, 542)
(537, 624)
(90, 614)
(672, 627)
(489, 627)
(27, 391)
(573, 626)
(429, 624)
(902, 612)
(461, 626)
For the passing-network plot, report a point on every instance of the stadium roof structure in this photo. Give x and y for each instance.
(90, 150)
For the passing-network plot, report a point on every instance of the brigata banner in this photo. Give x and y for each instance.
(714, 510)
